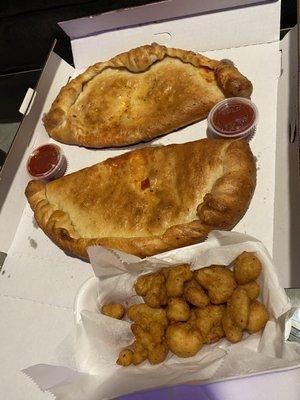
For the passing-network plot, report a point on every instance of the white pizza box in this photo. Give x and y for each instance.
(35, 271)
(55, 277)
(234, 32)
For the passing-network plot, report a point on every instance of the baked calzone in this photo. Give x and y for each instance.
(139, 95)
(148, 200)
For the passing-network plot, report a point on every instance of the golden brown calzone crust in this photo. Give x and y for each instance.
(149, 200)
(139, 95)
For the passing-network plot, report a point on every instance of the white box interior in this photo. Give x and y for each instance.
(37, 272)
(42, 256)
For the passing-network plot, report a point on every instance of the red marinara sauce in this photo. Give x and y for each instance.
(46, 162)
(234, 117)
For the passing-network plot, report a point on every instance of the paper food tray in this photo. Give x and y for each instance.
(98, 338)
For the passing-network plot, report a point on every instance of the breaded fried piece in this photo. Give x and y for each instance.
(153, 288)
(258, 317)
(178, 310)
(218, 280)
(183, 340)
(247, 268)
(195, 294)
(144, 315)
(113, 310)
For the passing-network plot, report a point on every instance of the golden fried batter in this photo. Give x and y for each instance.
(152, 340)
(247, 268)
(113, 310)
(175, 279)
(208, 322)
(195, 294)
(139, 353)
(233, 333)
(258, 317)
(193, 318)
(178, 310)
(125, 358)
(183, 340)
(158, 354)
(152, 287)
(215, 334)
(219, 282)
(252, 288)
(144, 315)
(239, 308)
(143, 336)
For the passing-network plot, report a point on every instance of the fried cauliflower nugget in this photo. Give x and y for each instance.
(139, 353)
(247, 268)
(252, 289)
(208, 321)
(113, 310)
(134, 356)
(178, 310)
(175, 279)
(193, 318)
(153, 288)
(158, 354)
(125, 357)
(144, 315)
(183, 340)
(239, 308)
(148, 336)
(219, 282)
(149, 330)
(195, 294)
(152, 340)
(215, 334)
(157, 331)
(165, 272)
(233, 333)
(258, 317)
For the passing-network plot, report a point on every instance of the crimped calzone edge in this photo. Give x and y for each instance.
(221, 208)
(86, 115)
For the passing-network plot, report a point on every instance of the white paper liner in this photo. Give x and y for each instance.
(98, 338)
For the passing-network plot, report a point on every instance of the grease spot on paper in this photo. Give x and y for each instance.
(32, 242)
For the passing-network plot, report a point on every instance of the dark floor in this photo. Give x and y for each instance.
(18, 70)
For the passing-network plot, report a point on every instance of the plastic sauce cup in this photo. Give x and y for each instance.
(47, 162)
(235, 117)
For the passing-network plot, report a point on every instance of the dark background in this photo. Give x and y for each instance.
(28, 28)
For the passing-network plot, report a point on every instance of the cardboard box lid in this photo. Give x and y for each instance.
(286, 250)
(243, 25)
(149, 13)
(31, 133)
(102, 36)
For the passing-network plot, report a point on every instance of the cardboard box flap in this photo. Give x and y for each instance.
(153, 12)
(286, 250)
(13, 176)
(98, 37)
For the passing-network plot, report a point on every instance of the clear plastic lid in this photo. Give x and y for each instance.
(235, 117)
(46, 162)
